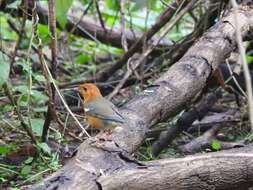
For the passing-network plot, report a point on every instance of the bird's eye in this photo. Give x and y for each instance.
(85, 89)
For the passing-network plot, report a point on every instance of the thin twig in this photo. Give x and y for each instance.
(130, 20)
(28, 61)
(74, 20)
(234, 79)
(54, 48)
(100, 16)
(244, 64)
(81, 17)
(123, 26)
(20, 35)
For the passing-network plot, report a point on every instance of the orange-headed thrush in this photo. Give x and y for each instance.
(99, 112)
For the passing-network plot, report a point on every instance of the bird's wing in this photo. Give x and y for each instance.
(103, 109)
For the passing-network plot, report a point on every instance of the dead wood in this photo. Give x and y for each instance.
(231, 117)
(222, 170)
(169, 94)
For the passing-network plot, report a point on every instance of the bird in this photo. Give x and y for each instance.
(100, 113)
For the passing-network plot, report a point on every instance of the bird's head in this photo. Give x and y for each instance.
(89, 91)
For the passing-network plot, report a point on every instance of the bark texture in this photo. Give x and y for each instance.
(223, 170)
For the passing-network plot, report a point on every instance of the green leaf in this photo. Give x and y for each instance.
(7, 108)
(216, 145)
(85, 2)
(6, 32)
(38, 97)
(113, 4)
(23, 89)
(249, 59)
(29, 160)
(2, 179)
(81, 59)
(44, 33)
(37, 125)
(39, 78)
(26, 170)
(4, 69)
(62, 7)
(24, 44)
(40, 109)
(13, 4)
(23, 100)
(4, 149)
(45, 148)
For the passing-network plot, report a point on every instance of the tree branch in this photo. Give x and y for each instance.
(223, 170)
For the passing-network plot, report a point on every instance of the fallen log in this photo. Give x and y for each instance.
(222, 170)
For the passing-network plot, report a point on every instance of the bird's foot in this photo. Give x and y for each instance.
(105, 136)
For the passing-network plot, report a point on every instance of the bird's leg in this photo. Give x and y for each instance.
(105, 135)
(108, 131)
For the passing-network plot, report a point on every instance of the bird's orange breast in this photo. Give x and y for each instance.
(95, 122)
